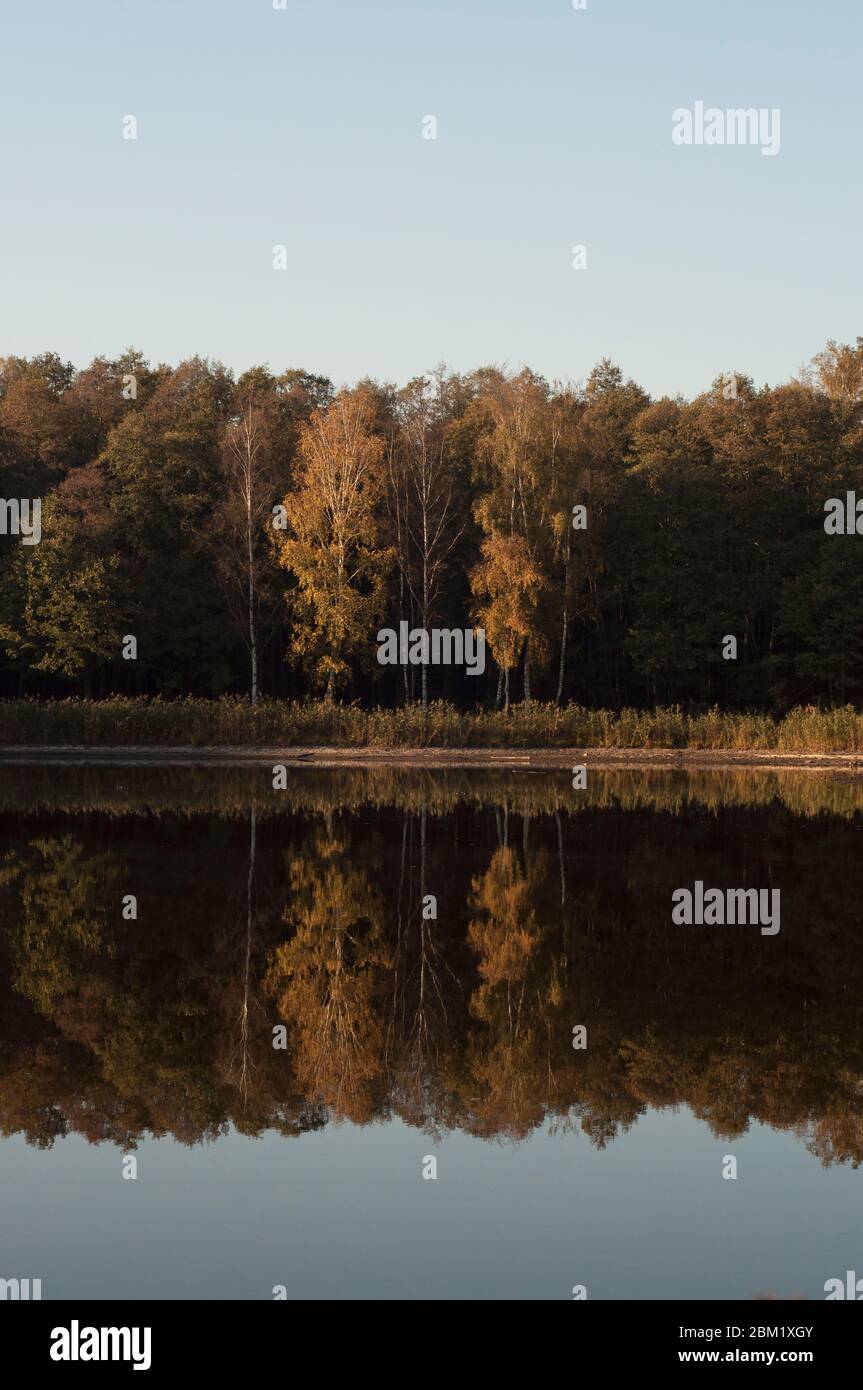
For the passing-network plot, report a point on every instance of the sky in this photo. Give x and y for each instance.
(304, 127)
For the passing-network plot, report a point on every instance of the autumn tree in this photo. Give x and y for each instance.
(513, 510)
(508, 586)
(331, 544)
(838, 370)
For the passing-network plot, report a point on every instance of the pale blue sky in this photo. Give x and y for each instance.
(303, 126)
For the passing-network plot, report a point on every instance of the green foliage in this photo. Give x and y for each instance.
(59, 615)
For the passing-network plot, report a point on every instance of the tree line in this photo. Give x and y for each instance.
(254, 533)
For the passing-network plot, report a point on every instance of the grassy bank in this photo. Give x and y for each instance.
(233, 722)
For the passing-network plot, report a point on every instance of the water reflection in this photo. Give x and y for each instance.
(423, 944)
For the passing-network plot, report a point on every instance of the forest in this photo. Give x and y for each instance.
(253, 533)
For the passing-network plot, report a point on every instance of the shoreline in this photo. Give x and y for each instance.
(552, 759)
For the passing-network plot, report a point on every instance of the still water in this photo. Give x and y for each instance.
(420, 946)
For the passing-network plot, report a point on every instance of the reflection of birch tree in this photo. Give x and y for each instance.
(423, 978)
(240, 1060)
(505, 933)
(429, 1014)
(329, 976)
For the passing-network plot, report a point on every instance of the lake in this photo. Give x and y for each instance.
(391, 1033)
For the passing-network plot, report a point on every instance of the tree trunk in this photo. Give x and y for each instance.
(563, 634)
(253, 637)
(244, 1012)
(401, 616)
(425, 677)
(422, 854)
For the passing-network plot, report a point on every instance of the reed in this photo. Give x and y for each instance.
(232, 721)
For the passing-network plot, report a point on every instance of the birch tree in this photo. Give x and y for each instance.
(248, 470)
(514, 513)
(423, 491)
(332, 542)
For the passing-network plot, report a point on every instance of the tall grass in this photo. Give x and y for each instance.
(231, 721)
